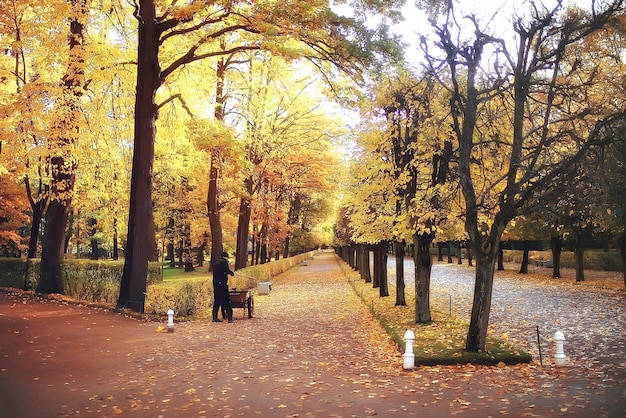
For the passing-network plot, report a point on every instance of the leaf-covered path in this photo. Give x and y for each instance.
(311, 350)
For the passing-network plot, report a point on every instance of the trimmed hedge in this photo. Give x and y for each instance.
(594, 260)
(86, 280)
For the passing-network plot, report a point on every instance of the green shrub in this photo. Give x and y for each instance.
(87, 280)
(593, 260)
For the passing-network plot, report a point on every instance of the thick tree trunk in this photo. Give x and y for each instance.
(449, 249)
(523, 269)
(140, 219)
(364, 262)
(556, 245)
(459, 253)
(400, 296)
(481, 306)
(579, 255)
(62, 165)
(500, 258)
(383, 284)
(440, 251)
(51, 279)
(423, 265)
(34, 230)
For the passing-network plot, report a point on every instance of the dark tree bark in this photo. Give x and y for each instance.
(364, 262)
(38, 207)
(556, 245)
(400, 298)
(217, 239)
(459, 257)
(440, 246)
(423, 266)
(380, 268)
(116, 250)
(500, 258)
(449, 248)
(243, 226)
(140, 219)
(63, 166)
(579, 255)
(214, 214)
(524, 264)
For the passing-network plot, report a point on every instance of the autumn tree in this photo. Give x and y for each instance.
(62, 161)
(537, 77)
(195, 31)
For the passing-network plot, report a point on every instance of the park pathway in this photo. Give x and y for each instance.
(311, 350)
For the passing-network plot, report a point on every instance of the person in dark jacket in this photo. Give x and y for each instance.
(221, 270)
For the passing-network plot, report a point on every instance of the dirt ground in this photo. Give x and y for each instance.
(311, 350)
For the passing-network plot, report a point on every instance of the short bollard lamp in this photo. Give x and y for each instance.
(409, 357)
(170, 320)
(559, 356)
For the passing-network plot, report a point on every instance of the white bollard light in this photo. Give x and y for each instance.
(170, 320)
(559, 356)
(409, 357)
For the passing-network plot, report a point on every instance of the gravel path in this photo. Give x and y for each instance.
(593, 319)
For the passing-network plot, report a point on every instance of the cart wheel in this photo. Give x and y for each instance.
(250, 306)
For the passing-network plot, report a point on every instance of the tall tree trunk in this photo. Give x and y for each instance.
(263, 242)
(51, 279)
(524, 264)
(62, 164)
(579, 255)
(186, 250)
(140, 219)
(440, 251)
(34, 230)
(481, 306)
(116, 250)
(556, 245)
(423, 265)
(380, 269)
(217, 242)
(459, 253)
(500, 258)
(243, 226)
(364, 262)
(470, 254)
(217, 239)
(38, 207)
(377, 266)
(449, 248)
(400, 296)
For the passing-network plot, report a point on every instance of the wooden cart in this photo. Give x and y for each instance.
(242, 299)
